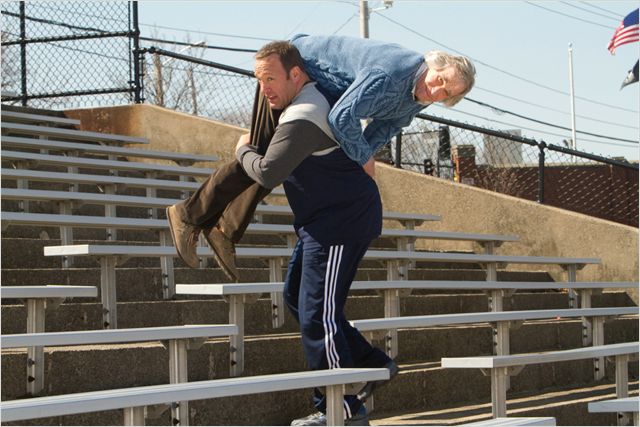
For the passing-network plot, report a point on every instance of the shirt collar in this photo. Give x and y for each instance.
(417, 76)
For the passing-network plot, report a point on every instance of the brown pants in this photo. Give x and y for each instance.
(229, 197)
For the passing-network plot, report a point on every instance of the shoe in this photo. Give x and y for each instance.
(369, 387)
(319, 419)
(224, 251)
(185, 237)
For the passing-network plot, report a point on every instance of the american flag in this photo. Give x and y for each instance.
(627, 32)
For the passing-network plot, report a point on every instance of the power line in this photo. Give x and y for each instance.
(547, 123)
(291, 32)
(345, 23)
(501, 70)
(207, 33)
(557, 110)
(589, 11)
(567, 15)
(537, 130)
(617, 15)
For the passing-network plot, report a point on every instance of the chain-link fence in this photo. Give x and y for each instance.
(509, 164)
(199, 87)
(67, 54)
(49, 63)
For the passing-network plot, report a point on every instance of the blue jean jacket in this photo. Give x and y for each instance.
(369, 80)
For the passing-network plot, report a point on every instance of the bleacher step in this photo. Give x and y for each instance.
(566, 405)
(418, 389)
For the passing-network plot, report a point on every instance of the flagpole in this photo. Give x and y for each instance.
(573, 104)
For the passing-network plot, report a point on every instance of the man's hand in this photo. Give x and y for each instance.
(243, 140)
(370, 167)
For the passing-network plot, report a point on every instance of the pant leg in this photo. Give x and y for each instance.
(291, 290)
(326, 276)
(207, 204)
(239, 213)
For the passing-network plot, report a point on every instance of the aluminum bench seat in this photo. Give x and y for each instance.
(165, 184)
(184, 159)
(501, 367)
(110, 255)
(21, 117)
(624, 406)
(180, 339)
(57, 160)
(239, 294)
(79, 221)
(38, 300)
(73, 134)
(135, 399)
(514, 421)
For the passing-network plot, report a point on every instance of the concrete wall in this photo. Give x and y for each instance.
(543, 230)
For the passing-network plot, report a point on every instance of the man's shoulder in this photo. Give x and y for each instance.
(309, 105)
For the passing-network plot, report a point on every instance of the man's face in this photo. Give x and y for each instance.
(439, 85)
(278, 87)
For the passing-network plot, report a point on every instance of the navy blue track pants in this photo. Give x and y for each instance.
(315, 290)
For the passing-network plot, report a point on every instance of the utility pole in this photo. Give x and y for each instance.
(365, 13)
(573, 105)
(364, 19)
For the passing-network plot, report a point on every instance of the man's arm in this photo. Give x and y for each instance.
(291, 144)
(368, 97)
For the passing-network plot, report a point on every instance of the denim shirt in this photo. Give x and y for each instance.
(370, 80)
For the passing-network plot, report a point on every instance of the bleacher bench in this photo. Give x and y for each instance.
(180, 339)
(134, 400)
(501, 367)
(623, 406)
(110, 255)
(150, 169)
(21, 117)
(239, 294)
(38, 300)
(73, 134)
(514, 421)
(183, 159)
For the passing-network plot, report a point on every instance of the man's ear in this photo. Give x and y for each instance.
(295, 72)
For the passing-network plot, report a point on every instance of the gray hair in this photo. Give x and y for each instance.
(466, 72)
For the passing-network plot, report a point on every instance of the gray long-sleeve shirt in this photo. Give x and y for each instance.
(301, 132)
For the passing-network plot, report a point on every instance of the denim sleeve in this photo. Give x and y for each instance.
(366, 97)
(381, 132)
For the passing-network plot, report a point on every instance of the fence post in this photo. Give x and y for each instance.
(541, 146)
(137, 77)
(398, 151)
(23, 54)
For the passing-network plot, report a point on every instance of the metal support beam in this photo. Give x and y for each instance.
(277, 298)
(66, 233)
(335, 405)
(622, 385)
(134, 416)
(236, 342)
(166, 266)
(35, 355)
(178, 373)
(108, 291)
(597, 338)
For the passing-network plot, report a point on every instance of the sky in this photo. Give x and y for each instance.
(520, 50)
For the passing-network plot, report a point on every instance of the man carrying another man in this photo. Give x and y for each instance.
(381, 82)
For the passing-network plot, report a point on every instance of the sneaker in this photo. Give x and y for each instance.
(319, 419)
(224, 251)
(185, 237)
(369, 387)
